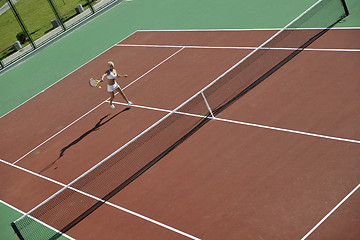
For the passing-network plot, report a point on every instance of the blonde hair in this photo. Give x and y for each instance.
(110, 63)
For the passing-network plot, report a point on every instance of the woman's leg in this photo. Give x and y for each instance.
(111, 98)
(123, 95)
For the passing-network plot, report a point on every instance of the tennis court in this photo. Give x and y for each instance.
(279, 162)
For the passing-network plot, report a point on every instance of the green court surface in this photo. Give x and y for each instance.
(8, 215)
(49, 65)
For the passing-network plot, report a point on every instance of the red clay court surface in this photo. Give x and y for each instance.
(276, 164)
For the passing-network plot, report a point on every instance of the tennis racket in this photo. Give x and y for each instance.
(93, 82)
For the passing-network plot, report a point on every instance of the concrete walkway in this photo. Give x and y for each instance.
(6, 6)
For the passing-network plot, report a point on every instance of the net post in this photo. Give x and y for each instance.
(345, 7)
(17, 232)
(207, 105)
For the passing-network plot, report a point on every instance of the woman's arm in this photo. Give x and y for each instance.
(105, 74)
(120, 75)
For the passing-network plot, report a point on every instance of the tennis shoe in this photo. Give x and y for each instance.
(112, 106)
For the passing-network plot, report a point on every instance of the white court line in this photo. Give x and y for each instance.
(159, 109)
(105, 202)
(331, 212)
(211, 30)
(10, 206)
(290, 131)
(181, 46)
(245, 29)
(237, 48)
(95, 107)
(250, 124)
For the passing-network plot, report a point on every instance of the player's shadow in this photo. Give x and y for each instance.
(96, 127)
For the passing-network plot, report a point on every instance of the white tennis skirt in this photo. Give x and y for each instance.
(111, 88)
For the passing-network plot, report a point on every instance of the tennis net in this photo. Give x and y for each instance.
(81, 197)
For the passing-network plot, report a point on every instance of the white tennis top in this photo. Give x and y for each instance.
(112, 75)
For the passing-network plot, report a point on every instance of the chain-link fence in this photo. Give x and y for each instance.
(26, 25)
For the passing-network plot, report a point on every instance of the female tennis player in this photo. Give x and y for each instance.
(112, 85)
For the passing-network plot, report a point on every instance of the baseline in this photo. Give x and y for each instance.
(335, 38)
(241, 48)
